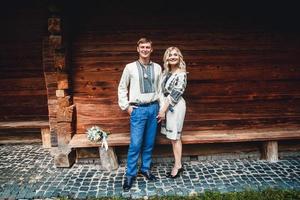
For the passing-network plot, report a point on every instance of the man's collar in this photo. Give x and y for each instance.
(150, 62)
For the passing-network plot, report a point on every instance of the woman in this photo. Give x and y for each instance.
(173, 107)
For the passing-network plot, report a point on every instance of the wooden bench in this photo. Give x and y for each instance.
(269, 135)
(43, 125)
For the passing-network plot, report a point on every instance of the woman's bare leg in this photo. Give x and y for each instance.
(177, 151)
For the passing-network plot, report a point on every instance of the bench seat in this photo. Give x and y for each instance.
(43, 125)
(24, 124)
(198, 137)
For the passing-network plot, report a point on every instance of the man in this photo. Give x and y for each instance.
(143, 76)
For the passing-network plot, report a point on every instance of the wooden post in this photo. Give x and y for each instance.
(64, 134)
(51, 87)
(54, 25)
(60, 100)
(63, 157)
(62, 81)
(55, 41)
(108, 159)
(46, 138)
(270, 151)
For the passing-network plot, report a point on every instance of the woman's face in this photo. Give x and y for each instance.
(173, 58)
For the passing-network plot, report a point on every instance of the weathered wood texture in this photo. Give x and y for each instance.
(188, 150)
(194, 137)
(20, 136)
(206, 149)
(25, 126)
(22, 85)
(270, 151)
(51, 87)
(241, 76)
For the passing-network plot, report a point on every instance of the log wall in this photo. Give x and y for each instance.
(241, 75)
(22, 86)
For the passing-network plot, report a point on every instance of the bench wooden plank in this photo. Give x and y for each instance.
(117, 139)
(39, 124)
(240, 135)
(19, 137)
(24, 124)
(198, 137)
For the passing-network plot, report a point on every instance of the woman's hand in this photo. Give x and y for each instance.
(161, 116)
(162, 112)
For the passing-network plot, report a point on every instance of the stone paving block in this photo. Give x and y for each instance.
(81, 195)
(34, 176)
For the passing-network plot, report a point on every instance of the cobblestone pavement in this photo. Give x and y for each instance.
(27, 172)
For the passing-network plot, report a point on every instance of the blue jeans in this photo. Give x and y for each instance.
(143, 127)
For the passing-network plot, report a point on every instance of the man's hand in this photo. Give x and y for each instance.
(130, 109)
(161, 116)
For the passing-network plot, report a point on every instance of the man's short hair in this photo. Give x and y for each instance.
(144, 40)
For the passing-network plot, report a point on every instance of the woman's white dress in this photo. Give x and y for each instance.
(173, 86)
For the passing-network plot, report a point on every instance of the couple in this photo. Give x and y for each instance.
(154, 97)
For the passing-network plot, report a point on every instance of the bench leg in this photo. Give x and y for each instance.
(270, 151)
(46, 138)
(108, 159)
(63, 157)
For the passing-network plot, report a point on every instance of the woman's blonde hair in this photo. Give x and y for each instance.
(182, 64)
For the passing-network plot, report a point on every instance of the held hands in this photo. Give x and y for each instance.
(162, 113)
(161, 116)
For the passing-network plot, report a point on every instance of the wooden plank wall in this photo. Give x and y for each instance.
(22, 86)
(241, 75)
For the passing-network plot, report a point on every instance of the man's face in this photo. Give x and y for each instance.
(145, 50)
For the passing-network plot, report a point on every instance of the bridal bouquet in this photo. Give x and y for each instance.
(96, 134)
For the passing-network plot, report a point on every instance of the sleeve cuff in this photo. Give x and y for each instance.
(170, 100)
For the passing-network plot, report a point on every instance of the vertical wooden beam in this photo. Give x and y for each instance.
(108, 159)
(54, 25)
(46, 137)
(51, 87)
(60, 101)
(62, 81)
(64, 157)
(55, 41)
(270, 151)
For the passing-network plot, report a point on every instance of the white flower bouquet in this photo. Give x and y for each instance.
(96, 134)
